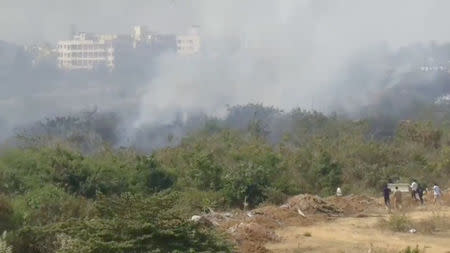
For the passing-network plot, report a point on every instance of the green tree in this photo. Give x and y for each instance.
(327, 174)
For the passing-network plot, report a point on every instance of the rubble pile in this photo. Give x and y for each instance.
(310, 204)
(251, 230)
(251, 237)
(355, 204)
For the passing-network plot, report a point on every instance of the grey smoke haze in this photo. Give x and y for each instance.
(295, 51)
(286, 53)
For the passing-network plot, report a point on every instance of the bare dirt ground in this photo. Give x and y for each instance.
(352, 234)
(349, 224)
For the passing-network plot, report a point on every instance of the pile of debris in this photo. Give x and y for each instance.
(251, 230)
(355, 204)
(251, 237)
(310, 204)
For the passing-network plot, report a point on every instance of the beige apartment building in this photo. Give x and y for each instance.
(86, 51)
(188, 44)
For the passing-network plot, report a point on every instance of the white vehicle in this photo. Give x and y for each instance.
(401, 187)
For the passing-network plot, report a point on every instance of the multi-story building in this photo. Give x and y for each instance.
(86, 51)
(188, 44)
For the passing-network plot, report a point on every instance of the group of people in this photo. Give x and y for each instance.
(417, 192)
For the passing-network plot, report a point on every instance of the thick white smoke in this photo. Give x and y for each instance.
(286, 53)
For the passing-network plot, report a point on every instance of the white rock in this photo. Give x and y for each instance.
(285, 206)
(196, 218)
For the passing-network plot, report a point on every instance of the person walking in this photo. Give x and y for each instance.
(397, 199)
(420, 193)
(414, 187)
(437, 193)
(387, 197)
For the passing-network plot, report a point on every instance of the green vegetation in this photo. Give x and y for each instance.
(56, 198)
(411, 250)
(126, 223)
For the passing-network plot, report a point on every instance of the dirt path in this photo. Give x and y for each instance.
(356, 235)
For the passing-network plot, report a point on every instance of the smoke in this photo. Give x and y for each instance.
(291, 54)
(326, 55)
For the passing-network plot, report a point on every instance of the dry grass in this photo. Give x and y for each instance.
(369, 248)
(437, 222)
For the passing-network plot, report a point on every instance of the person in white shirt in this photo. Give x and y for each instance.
(437, 193)
(414, 187)
(339, 192)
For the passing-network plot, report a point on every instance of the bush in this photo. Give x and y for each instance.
(7, 218)
(411, 250)
(326, 175)
(397, 223)
(194, 201)
(247, 182)
(150, 178)
(275, 196)
(205, 173)
(48, 205)
(4, 246)
(129, 223)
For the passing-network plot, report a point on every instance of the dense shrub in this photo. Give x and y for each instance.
(150, 177)
(205, 173)
(7, 218)
(326, 175)
(247, 182)
(397, 223)
(49, 204)
(129, 223)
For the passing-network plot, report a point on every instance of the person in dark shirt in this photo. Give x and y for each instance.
(387, 198)
(420, 193)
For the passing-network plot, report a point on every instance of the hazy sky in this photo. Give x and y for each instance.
(296, 51)
(398, 21)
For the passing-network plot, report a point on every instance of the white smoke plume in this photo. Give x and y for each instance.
(289, 53)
